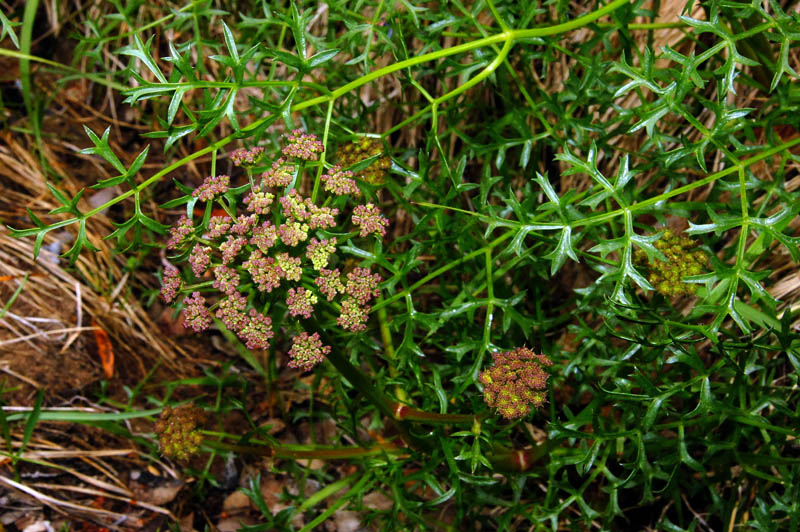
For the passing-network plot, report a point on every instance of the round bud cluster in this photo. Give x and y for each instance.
(177, 431)
(340, 182)
(170, 283)
(516, 383)
(361, 150)
(303, 146)
(246, 157)
(683, 260)
(212, 187)
(307, 351)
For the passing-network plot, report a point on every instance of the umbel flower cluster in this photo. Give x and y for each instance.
(516, 383)
(361, 150)
(683, 260)
(271, 253)
(177, 431)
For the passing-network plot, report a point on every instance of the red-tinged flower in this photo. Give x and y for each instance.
(319, 251)
(264, 236)
(369, 218)
(516, 383)
(307, 351)
(264, 271)
(322, 217)
(231, 248)
(246, 157)
(196, 315)
(362, 285)
(171, 282)
(178, 233)
(231, 311)
(340, 182)
(301, 302)
(292, 233)
(259, 202)
(225, 279)
(353, 316)
(303, 146)
(329, 283)
(290, 266)
(295, 207)
(199, 258)
(244, 224)
(218, 226)
(280, 175)
(257, 333)
(212, 187)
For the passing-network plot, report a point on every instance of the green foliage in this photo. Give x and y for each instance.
(529, 176)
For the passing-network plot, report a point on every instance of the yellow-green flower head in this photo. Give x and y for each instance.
(683, 260)
(360, 150)
(177, 431)
(516, 383)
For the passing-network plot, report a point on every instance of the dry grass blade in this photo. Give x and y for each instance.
(60, 505)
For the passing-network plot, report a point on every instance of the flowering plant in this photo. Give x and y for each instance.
(271, 252)
(516, 383)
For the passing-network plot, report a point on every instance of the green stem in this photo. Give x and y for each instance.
(321, 453)
(406, 413)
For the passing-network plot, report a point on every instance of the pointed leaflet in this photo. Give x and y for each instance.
(564, 249)
(141, 51)
(102, 149)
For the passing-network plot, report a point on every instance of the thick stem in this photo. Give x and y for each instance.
(322, 453)
(406, 413)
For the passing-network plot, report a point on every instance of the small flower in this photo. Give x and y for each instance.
(362, 286)
(225, 279)
(195, 315)
(303, 146)
(178, 233)
(293, 233)
(353, 317)
(307, 351)
(199, 258)
(340, 182)
(322, 217)
(290, 266)
(264, 271)
(217, 227)
(246, 157)
(329, 283)
(177, 431)
(301, 302)
(258, 331)
(231, 248)
(369, 218)
(244, 224)
(280, 175)
(320, 251)
(683, 260)
(259, 202)
(295, 207)
(362, 149)
(231, 311)
(171, 282)
(516, 382)
(212, 187)
(264, 236)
